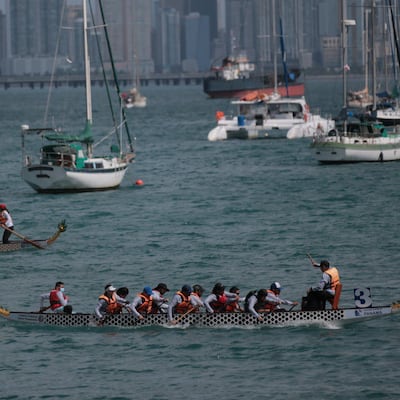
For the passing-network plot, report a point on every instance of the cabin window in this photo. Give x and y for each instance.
(94, 165)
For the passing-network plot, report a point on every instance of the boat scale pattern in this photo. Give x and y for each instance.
(199, 319)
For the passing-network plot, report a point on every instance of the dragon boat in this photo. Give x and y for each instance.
(15, 245)
(201, 319)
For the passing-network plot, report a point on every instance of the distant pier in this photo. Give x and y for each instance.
(76, 80)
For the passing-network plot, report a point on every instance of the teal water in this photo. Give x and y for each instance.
(241, 212)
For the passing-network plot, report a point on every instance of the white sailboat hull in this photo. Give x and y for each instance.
(356, 149)
(58, 179)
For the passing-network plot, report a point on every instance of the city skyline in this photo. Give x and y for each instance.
(164, 36)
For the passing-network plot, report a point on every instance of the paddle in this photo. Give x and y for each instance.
(22, 237)
(313, 262)
(175, 321)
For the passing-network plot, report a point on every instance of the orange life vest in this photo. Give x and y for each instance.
(112, 306)
(335, 279)
(54, 300)
(269, 306)
(233, 306)
(219, 305)
(147, 304)
(219, 115)
(184, 305)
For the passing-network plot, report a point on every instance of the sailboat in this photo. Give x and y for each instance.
(360, 139)
(66, 162)
(134, 98)
(362, 98)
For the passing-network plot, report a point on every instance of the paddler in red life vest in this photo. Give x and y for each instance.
(325, 289)
(274, 300)
(232, 304)
(108, 303)
(58, 300)
(182, 302)
(142, 304)
(218, 299)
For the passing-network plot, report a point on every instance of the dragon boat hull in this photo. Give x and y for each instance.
(202, 319)
(16, 245)
(20, 244)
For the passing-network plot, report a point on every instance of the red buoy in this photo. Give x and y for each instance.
(139, 182)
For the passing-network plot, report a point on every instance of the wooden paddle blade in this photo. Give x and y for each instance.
(4, 312)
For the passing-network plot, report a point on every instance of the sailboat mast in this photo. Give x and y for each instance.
(87, 66)
(344, 55)
(274, 48)
(373, 56)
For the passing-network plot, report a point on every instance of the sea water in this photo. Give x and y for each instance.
(243, 213)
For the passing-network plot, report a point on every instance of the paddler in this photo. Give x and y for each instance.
(233, 302)
(6, 220)
(218, 299)
(324, 290)
(255, 303)
(182, 302)
(107, 302)
(58, 300)
(142, 304)
(274, 300)
(195, 296)
(159, 301)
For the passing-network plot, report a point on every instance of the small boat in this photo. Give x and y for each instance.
(270, 117)
(15, 245)
(133, 99)
(66, 162)
(288, 318)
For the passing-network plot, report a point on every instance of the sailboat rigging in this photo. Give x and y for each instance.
(357, 139)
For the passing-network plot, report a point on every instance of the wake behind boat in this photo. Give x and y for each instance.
(66, 162)
(288, 318)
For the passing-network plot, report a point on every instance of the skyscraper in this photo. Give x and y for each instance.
(197, 41)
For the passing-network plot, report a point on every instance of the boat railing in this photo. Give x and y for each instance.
(58, 159)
